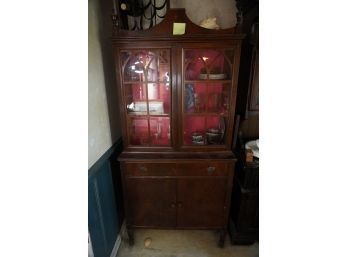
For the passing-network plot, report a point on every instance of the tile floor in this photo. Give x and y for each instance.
(183, 243)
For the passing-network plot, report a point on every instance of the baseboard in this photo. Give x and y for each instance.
(123, 231)
(90, 248)
(121, 235)
(116, 246)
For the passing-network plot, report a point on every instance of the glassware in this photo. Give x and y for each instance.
(199, 102)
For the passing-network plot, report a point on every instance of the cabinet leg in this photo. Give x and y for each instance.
(222, 238)
(130, 236)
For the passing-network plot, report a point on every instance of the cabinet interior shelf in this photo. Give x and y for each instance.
(144, 82)
(144, 114)
(208, 81)
(205, 114)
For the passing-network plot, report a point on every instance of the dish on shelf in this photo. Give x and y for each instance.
(213, 130)
(198, 142)
(197, 138)
(214, 135)
(212, 76)
(214, 138)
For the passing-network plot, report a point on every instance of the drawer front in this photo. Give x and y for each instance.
(203, 169)
(150, 169)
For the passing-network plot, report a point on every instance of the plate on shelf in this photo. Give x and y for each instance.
(154, 106)
(212, 76)
(254, 146)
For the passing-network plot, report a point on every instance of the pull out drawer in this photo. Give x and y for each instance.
(150, 169)
(219, 169)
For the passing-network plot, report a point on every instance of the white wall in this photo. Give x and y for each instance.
(197, 10)
(99, 136)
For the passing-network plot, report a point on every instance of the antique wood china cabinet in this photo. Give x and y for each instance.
(177, 94)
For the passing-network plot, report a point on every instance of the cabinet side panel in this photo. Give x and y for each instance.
(231, 167)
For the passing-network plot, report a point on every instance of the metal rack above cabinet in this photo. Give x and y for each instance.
(140, 14)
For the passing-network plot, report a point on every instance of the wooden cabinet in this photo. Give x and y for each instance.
(244, 215)
(248, 84)
(187, 194)
(177, 97)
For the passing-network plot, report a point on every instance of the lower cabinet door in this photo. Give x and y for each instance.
(200, 202)
(151, 202)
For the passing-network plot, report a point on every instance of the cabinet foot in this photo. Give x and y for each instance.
(222, 238)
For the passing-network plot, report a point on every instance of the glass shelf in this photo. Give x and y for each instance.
(208, 81)
(143, 82)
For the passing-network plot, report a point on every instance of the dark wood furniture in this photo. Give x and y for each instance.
(248, 84)
(177, 98)
(244, 216)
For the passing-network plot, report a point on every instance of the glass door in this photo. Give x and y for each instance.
(147, 92)
(206, 96)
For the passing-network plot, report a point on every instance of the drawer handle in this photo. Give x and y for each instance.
(142, 168)
(210, 169)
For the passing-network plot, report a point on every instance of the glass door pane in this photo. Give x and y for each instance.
(204, 130)
(218, 98)
(206, 95)
(159, 96)
(206, 64)
(160, 131)
(195, 98)
(194, 130)
(147, 89)
(135, 95)
(139, 131)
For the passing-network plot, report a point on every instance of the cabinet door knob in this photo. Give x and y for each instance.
(179, 204)
(210, 169)
(172, 205)
(142, 168)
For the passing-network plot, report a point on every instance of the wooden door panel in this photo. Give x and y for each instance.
(151, 202)
(200, 202)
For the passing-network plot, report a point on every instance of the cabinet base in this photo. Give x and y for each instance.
(130, 233)
(221, 243)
